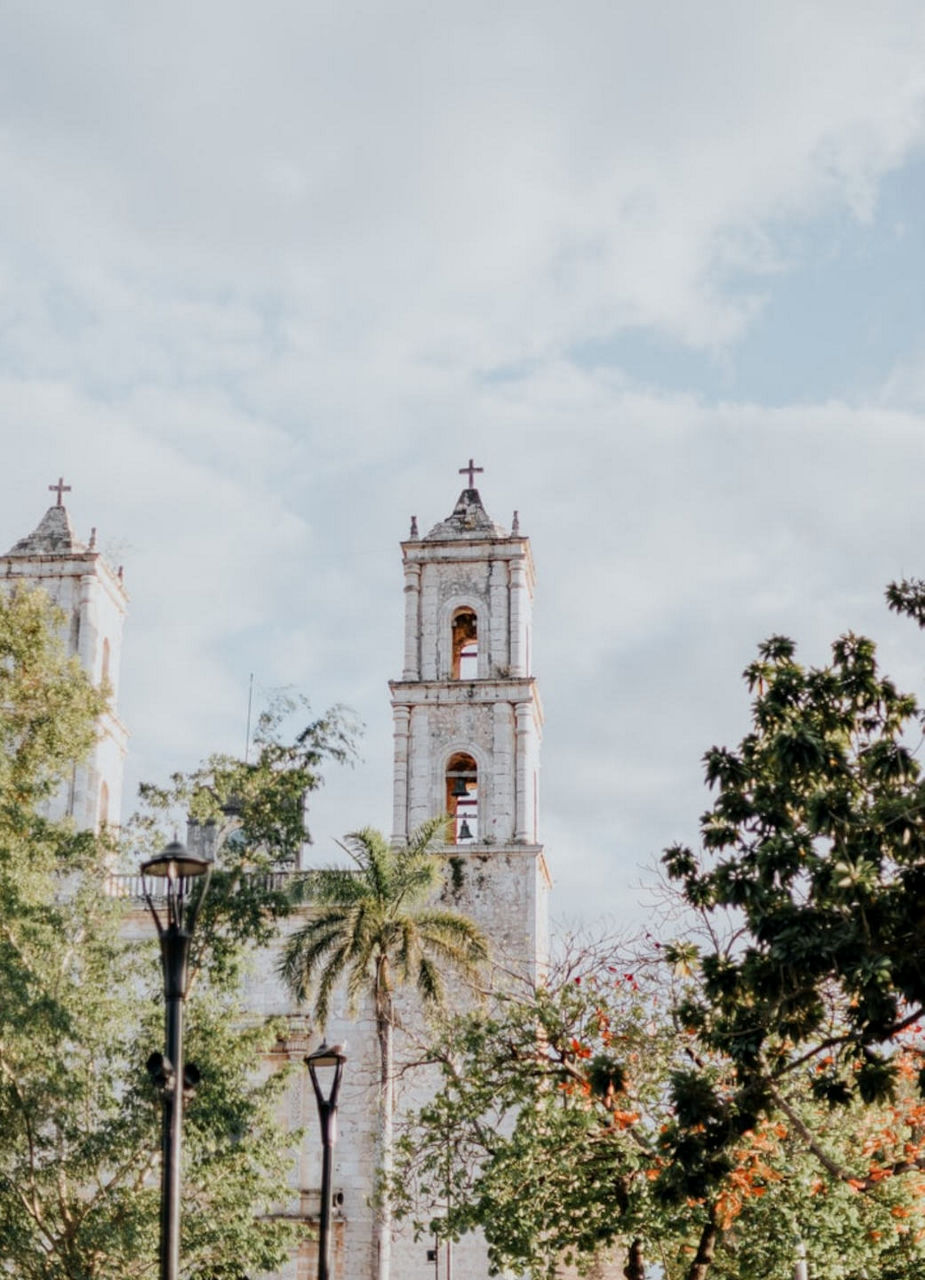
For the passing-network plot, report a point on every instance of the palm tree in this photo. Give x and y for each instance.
(373, 928)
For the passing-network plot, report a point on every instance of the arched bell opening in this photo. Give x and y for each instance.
(465, 644)
(462, 799)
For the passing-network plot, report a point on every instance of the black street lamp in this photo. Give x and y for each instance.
(326, 1059)
(175, 917)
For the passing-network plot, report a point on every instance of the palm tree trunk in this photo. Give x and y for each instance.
(384, 1030)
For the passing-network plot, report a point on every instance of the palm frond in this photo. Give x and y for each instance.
(361, 977)
(451, 928)
(408, 952)
(304, 952)
(330, 976)
(374, 859)
(338, 886)
(416, 881)
(430, 984)
(452, 961)
(428, 835)
(375, 924)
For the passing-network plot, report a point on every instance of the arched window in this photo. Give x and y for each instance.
(104, 676)
(465, 645)
(462, 798)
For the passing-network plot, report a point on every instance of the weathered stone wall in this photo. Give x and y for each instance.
(355, 1152)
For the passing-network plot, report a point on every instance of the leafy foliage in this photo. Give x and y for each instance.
(816, 844)
(81, 1010)
(810, 884)
(545, 1133)
(579, 1120)
(252, 815)
(779, 1093)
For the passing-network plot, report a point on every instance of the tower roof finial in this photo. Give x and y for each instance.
(60, 488)
(471, 472)
(54, 534)
(469, 519)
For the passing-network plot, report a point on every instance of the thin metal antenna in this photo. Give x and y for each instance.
(247, 732)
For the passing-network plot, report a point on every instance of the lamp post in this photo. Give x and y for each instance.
(326, 1059)
(175, 918)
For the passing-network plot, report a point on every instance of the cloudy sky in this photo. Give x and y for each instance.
(270, 274)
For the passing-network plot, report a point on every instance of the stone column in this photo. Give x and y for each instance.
(402, 721)
(85, 784)
(412, 621)
(496, 646)
(422, 802)
(502, 767)
(88, 626)
(518, 619)
(429, 623)
(523, 798)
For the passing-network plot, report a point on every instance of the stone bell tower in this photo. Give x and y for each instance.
(93, 600)
(468, 720)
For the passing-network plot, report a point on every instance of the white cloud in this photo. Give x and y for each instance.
(269, 276)
(528, 175)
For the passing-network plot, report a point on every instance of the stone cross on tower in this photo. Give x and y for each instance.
(60, 488)
(471, 471)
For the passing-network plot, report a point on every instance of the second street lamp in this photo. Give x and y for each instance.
(331, 1062)
(174, 911)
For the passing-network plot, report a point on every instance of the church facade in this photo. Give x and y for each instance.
(467, 729)
(467, 725)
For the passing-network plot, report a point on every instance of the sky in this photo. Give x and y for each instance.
(271, 274)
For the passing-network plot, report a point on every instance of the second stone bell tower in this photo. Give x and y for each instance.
(92, 599)
(468, 719)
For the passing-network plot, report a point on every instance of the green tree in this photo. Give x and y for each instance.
(813, 850)
(811, 887)
(81, 1011)
(252, 814)
(555, 1131)
(546, 1131)
(779, 1092)
(374, 927)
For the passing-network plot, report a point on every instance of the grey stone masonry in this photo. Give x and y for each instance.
(491, 711)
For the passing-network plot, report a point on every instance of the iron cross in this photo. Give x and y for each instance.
(60, 488)
(470, 471)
